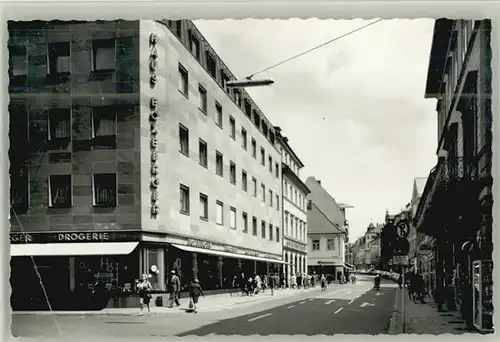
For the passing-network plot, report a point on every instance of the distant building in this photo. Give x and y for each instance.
(326, 232)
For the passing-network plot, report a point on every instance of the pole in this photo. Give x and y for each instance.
(403, 300)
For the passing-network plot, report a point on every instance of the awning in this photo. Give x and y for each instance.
(348, 266)
(69, 249)
(226, 254)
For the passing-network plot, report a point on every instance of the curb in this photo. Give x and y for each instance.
(164, 312)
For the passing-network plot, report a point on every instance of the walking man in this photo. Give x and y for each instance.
(174, 287)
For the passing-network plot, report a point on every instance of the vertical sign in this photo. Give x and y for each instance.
(153, 120)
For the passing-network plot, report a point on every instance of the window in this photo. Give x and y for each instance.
(237, 97)
(59, 58)
(254, 181)
(232, 218)
(203, 98)
(224, 78)
(295, 198)
(18, 61)
(285, 189)
(178, 28)
(271, 232)
(277, 168)
(263, 187)
(244, 219)
(248, 108)
(218, 115)
(315, 245)
(232, 125)
(254, 148)
(183, 140)
(244, 180)
(277, 202)
(263, 229)
(262, 156)
(183, 81)
(202, 147)
(244, 138)
(195, 46)
(286, 222)
(330, 244)
(220, 213)
(270, 159)
(59, 123)
(184, 198)
(270, 198)
(104, 187)
(103, 54)
(104, 121)
(277, 234)
(60, 191)
(254, 226)
(211, 65)
(300, 201)
(232, 173)
(203, 207)
(219, 164)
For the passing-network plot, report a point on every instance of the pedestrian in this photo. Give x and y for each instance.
(194, 294)
(265, 283)
(258, 284)
(272, 282)
(174, 288)
(233, 285)
(323, 282)
(293, 281)
(144, 288)
(299, 281)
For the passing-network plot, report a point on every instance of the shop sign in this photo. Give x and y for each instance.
(295, 245)
(69, 237)
(199, 244)
(153, 120)
(230, 249)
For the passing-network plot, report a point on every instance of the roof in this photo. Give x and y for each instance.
(419, 185)
(325, 215)
(284, 142)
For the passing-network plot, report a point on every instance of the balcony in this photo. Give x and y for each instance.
(458, 170)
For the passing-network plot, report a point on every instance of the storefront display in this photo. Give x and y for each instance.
(483, 295)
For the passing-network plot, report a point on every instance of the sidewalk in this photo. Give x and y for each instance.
(208, 303)
(424, 319)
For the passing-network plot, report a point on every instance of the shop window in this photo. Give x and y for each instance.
(59, 58)
(60, 191)
(183, 140)
(103, 54)
(244, 180)
(59, 123)
(104, 188)
(203, 98)
(232, 217)
(203, 153)
(203, 207)
(18, 61)
(220, 213)
(219, 117)
(244, 219)
(263, 229)
(184, 199)
(254, 226)
(254, 148)
(219, 164)
(232, 173)
(183, 81)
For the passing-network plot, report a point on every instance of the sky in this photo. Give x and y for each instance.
(353, 111)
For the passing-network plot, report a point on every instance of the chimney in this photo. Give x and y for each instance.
(285, 140)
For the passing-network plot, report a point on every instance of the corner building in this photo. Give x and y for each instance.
(130, 152)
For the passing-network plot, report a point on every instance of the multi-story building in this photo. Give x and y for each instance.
(456, 205)
(326, 234)
(130, 151)
(413, 237)
(294, 193)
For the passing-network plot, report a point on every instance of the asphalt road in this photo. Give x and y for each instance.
(368, 314)
(340, 309)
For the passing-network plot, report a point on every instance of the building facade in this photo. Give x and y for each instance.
(131, 152)
(326, 235)
(456, 205)
(294, 194)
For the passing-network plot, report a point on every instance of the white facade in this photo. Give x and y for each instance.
(182, 172)
(294, 193)
(329, 249)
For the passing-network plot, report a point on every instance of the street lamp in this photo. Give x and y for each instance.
(246, 83)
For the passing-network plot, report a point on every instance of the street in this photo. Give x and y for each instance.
(348, 309)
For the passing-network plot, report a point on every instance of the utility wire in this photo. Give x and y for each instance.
(314, 48)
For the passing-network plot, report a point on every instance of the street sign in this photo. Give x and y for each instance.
(402, 228)
(401, 246)
(400, 260)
